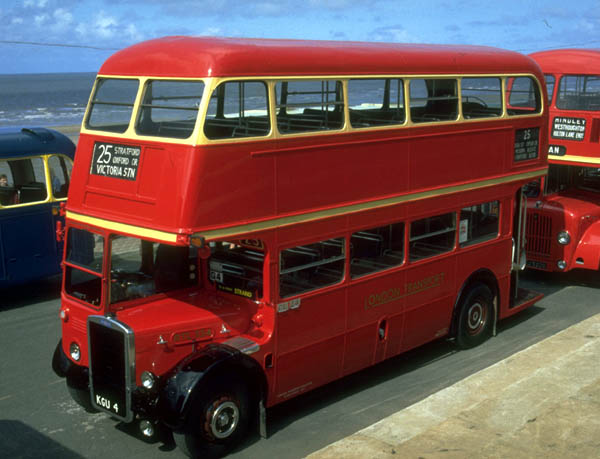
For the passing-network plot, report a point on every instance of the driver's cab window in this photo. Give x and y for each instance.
(558, 179)
(236, 267)
(533, 188)
(141, 268)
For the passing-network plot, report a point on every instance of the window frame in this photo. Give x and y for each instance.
(315, 264)
(388, 226)
(411, 238)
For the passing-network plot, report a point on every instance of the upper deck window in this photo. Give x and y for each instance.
(523, 95)
(169, 108)
(112, 104)
(579, 92)
(481, 97)
(433, 100)
(238, 109)
(376, 102)
(550, 80)
(309, 105)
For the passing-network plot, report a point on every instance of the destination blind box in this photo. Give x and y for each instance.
(115, 160)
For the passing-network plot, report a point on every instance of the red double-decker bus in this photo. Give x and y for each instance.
(563, 228)
(251, 219)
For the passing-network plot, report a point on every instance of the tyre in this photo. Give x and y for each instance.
(475, 316)
(82, 398)
(217, 422)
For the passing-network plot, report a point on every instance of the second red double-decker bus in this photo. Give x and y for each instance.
(563, 227)
(251, 219)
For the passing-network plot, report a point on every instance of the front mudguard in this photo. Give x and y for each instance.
(78, 378)
(587, 253)
(186, 382)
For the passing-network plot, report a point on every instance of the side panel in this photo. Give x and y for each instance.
(29, 242)
(430, 292)
(310, 341)
(376, 305)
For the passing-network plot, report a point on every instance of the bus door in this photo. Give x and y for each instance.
(519, 258)
(311, 316)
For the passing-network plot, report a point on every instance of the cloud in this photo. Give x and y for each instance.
(393, 34)
(62, 20)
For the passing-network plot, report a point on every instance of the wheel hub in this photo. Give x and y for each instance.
(224, 419)
(476, 318)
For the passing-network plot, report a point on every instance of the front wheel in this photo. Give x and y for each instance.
(218, 421)
(475, 316)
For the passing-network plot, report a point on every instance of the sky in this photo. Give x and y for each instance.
(47, 36)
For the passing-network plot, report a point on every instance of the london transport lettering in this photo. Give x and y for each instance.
(568, 128)
(410, 288)
(117, 161)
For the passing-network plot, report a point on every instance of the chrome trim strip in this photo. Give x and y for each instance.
(242, 344)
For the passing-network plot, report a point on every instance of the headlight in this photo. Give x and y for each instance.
(148, 379)
(564, 237)
(75, 351)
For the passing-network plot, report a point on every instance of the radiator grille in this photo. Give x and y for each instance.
(539, 235)
(110, 372)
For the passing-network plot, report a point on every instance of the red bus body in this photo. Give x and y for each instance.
(280, 198)
(567, 205)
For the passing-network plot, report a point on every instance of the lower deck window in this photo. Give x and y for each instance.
(479, 223)
(237, 267)
(432, 236)
(309, 267)
(376, 249)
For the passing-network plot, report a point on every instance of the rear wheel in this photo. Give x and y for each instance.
(218, 421)
(475, 316)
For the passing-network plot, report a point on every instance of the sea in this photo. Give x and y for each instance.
(44, 99)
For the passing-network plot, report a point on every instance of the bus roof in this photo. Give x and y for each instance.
(21, 142)
(574, 61)
(198, 57)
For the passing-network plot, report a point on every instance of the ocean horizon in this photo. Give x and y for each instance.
(44, 99)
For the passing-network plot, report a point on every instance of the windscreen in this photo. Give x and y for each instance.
(140, 268)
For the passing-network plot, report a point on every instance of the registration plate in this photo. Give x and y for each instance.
(536, 264)
(109, 405)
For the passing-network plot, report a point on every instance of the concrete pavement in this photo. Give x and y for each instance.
(541, 402)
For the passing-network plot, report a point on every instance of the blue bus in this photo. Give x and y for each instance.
(35, 171)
